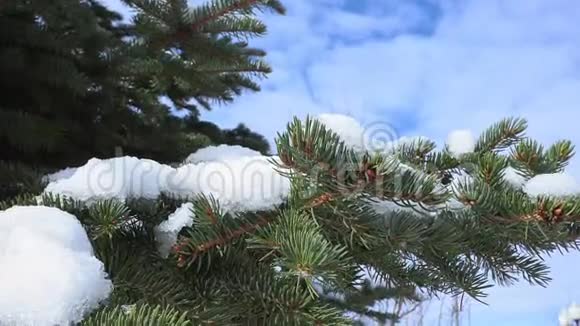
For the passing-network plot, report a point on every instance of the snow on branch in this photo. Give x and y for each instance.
(49, 275)
(240, 184)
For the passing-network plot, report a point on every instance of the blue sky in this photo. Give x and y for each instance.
(425, 67)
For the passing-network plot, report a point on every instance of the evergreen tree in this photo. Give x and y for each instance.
(241, 135)
(451, 236)
(76, 82)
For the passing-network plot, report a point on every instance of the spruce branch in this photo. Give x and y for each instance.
(212, 229)
(501, 135)
(138, 315)
(531, 159)
(108, 217)
(319, 154)
(490, 169)
(416, 152)
(243, 27)
(302, 251)
(220, 8)
(560, 154)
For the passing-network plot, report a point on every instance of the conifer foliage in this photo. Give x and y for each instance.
(78, 82)
(458, 225)
(358, 226)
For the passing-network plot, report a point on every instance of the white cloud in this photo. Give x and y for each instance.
(486, 60)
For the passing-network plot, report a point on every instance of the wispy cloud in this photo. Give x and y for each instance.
(483, 60)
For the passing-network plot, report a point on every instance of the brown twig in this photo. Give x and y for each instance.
(220, 241)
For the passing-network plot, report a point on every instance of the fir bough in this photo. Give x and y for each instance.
(76, 81)
(312, 260)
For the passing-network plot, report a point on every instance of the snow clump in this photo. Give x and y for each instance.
(166, 232)
(49, 275)
(553, 184)
(460, 142)
(220, 153)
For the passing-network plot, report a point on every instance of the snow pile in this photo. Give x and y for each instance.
(347, 128)
(49, 275)
(240, 184)
(377, 138)
(119, 177)
(555, 184)
(166, 232)
(219, 153)
(460, 178)
(460, 142)
(569, 315)
(512, 177)
(62, 174)
(386, 207)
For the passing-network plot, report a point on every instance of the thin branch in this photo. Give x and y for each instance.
(233, 7)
